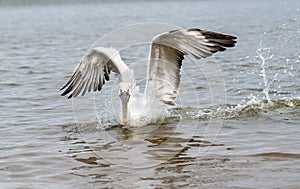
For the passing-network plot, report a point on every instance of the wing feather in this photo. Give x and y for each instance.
(93, 70)
(167, 53)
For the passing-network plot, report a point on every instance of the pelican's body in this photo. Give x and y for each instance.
(162, 87)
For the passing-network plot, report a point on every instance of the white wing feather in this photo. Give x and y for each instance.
(167, 52)
(93, 70)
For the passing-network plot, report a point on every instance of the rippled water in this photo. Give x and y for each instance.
(242, 134)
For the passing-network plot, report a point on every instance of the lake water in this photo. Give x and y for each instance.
(236, 125)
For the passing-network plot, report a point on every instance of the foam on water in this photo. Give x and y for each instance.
(234, 111)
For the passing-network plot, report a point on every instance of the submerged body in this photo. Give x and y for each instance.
(163, 77)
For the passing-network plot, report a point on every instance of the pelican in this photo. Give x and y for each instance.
(163, 78)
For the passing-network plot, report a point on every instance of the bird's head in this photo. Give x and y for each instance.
(124, 94)
(127, 84)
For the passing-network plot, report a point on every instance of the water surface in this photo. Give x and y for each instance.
(245, 135)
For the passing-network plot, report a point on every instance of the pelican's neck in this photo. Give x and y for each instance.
(137, 107)
(127, 76)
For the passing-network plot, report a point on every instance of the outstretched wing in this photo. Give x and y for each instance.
(93, 70)
(167, 52)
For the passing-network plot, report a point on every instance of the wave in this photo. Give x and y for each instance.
(254, 108)
(231, 111)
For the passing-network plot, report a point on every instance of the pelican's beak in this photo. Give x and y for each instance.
(124, 96)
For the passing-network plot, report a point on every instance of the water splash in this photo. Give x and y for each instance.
(232, 111)
(263, 59)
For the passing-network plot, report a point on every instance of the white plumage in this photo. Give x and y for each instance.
(163, 79)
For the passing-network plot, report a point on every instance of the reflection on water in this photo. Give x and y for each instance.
(136, 152)
(168, 156)
(140, 147)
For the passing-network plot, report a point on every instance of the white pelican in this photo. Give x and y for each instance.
(166, 55)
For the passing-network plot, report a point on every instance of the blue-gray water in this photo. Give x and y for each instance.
(248, 140)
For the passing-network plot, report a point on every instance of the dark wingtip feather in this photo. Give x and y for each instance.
(66, 84)
(69, 89)
(215, 35)
(222, 49)
(233, 37)
(62, 87)
(221, 39)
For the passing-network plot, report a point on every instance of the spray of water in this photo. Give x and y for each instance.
(267, 83)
